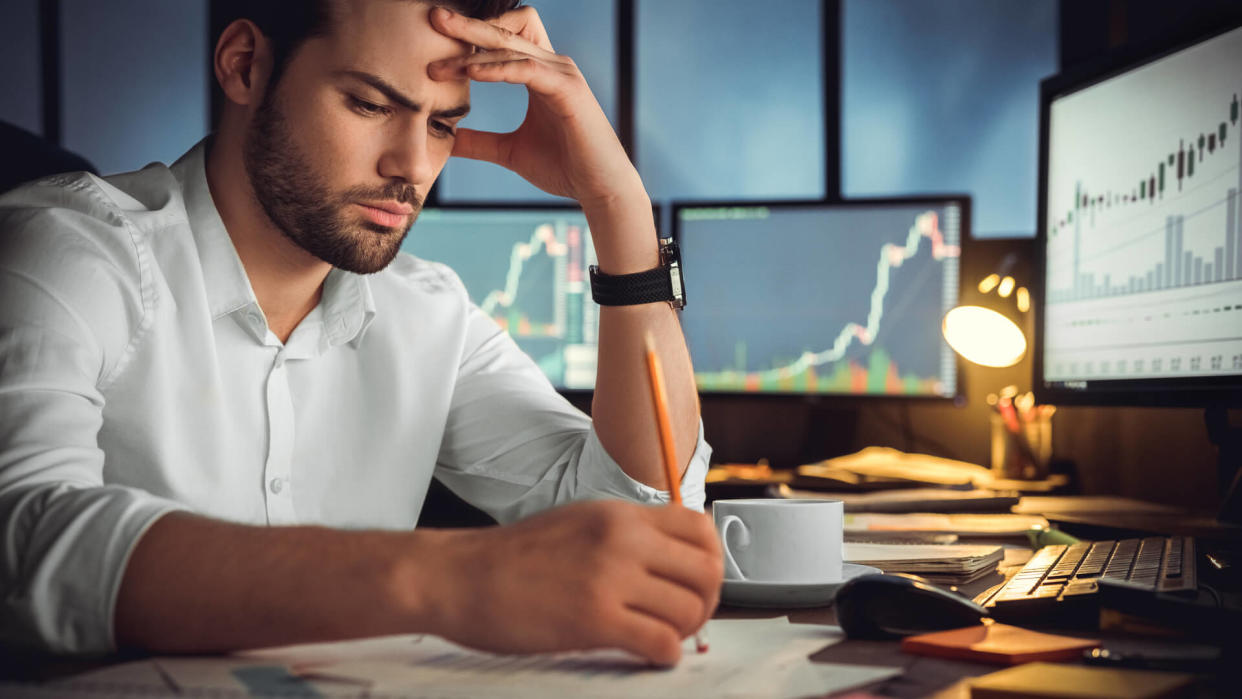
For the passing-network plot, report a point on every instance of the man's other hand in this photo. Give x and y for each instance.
(602, 574)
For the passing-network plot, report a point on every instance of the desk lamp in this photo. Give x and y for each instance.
(989, 328)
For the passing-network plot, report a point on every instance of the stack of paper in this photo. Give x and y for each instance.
(953, 564)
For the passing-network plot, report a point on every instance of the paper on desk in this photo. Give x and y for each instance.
(232, 676)
(942, 558)
(975, 525)
(747, 657)
(887, 463)
(137, 676)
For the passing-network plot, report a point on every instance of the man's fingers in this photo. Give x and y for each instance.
(644, 636)
(485, 35)
(482, 145)
(668, 602)
(525, 22)
(521, 71)
(697, 571)
(694, 528)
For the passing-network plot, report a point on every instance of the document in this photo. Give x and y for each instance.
(747, 657)
(764, 658)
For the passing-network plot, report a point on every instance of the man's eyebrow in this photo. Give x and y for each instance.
(395, 95)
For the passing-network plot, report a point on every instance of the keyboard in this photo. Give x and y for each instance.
(1060, 584)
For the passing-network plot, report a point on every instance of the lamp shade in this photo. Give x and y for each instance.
(984, 336)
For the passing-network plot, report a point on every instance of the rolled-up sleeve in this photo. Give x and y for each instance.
(514, 446)
(65, 536)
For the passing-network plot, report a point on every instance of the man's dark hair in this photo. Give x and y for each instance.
(289, 23)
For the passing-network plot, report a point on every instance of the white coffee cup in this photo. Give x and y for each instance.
(781, 541)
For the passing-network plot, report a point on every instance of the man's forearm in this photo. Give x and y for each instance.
(625, 242)
(199, 585)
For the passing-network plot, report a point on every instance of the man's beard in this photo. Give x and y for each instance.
(302, 206)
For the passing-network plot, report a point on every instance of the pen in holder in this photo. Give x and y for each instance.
(1021, 438)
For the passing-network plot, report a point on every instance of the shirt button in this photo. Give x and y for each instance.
(276, 485)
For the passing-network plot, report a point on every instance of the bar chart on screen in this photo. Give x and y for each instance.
(1144, 222)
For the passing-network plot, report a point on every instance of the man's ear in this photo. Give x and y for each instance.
(242, 62)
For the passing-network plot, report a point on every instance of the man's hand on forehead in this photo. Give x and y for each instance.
(506, 48)
(565, 145)
(522, 23)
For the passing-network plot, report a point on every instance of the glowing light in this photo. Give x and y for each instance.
(984, 336)
(989, 282)
(1006, 287)
(1024, 300)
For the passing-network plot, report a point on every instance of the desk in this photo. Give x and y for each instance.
(921, 676)
(942, 678)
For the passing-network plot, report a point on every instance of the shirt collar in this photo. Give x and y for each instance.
(347, 305)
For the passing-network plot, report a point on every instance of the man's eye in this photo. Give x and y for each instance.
(442, 129)
(368, 108)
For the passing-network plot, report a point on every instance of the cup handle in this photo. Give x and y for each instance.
(732, 571)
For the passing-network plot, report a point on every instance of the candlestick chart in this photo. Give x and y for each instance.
(821, 299)
(1143, 223)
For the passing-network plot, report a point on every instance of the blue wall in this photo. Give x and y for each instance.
(944, 96)
(135, 77)
(729, 99)
(21, 96)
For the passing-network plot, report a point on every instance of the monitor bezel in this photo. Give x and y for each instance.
(1202, 391)
(962, 200)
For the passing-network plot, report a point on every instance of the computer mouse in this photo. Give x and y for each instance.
(881, 605)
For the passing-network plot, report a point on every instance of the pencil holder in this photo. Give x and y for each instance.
(1023, 454)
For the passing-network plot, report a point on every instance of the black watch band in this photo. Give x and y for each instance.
(662, 283)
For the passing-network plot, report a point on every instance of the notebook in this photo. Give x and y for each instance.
(953, 564)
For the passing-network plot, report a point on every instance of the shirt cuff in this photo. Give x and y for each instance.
(601, 476)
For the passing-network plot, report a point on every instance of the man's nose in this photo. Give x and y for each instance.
(408, 157)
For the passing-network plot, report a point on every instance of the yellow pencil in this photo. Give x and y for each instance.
(668, 447)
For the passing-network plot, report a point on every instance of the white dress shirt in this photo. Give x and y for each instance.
(138, 376)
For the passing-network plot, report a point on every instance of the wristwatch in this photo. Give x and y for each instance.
(662, 283)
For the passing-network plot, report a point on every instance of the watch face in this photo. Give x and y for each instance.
(679, 287)
(670, 257)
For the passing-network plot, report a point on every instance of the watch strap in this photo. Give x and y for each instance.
(650, 286)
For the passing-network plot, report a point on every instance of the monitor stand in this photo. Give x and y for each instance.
(1228, 442)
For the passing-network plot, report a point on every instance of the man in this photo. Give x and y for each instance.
(223, 393)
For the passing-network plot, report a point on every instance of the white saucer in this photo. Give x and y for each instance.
(747, 593)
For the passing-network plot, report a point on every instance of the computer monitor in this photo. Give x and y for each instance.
(822, 299)
(1139, 247)
(525, 266)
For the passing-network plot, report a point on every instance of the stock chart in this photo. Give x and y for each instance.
(820, 298)
(1144, 223)
(525, 268)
